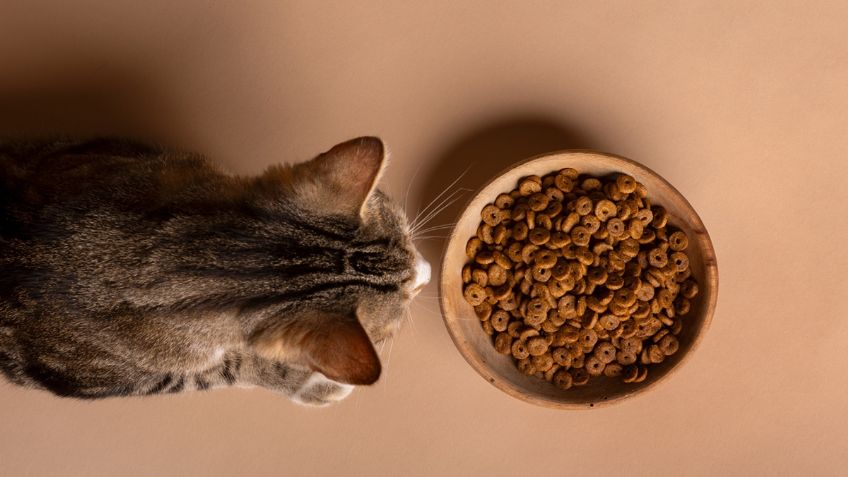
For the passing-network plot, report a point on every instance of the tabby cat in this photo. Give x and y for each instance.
(127, 269)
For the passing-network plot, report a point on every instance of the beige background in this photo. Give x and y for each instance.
(743, 106)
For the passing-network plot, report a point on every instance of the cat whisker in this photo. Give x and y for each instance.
(435, 228)
(414, 221)
(444, 204)
(409, 187)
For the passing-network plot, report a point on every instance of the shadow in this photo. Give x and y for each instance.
(87, 98)
(481, 154)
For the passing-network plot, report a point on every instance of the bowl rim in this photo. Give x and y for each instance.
(710, 272)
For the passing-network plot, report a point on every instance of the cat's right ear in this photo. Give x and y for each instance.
(341, 179)
(334, 344)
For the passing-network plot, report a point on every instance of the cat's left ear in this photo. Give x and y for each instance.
(346, 175)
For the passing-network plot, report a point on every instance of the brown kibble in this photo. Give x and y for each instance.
(680, 261)
(542, 362)
(519, 350)
(605, 352)
(483, 311)
(580, 376)
(605, 210)
(526, 366)
(561, 357)
(474, 294)
(539, 236)
(504, 201)
(563, 379)
(613, 370)
(594, 366)
(591, 223)
(491, 215)
(528, 186)
(537, 346)
(655, 354)
(499, 320)
(503, 343)
(689, 289)
(580, 236)
(669, 345)
(583, 205)
(626, 184)
(473, 246)
(678, 241)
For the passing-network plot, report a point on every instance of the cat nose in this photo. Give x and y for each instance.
(422, 272)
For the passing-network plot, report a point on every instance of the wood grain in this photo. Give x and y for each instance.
(475, 346)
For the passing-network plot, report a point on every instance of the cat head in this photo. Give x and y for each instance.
(336, 334)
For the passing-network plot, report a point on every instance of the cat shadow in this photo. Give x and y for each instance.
(477, 156)
(87, 98)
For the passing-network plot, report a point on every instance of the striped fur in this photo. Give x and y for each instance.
(128, 269)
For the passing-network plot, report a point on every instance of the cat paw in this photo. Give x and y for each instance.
(319, 390)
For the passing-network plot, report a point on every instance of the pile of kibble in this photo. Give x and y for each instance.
(577, 276)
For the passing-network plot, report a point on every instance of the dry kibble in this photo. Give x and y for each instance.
(577, 276)
(678, 241)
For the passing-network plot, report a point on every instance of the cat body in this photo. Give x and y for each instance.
(127, 269)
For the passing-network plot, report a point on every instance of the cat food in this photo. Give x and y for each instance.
(577, 277)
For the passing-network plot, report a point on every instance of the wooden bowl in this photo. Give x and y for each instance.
(476, 347)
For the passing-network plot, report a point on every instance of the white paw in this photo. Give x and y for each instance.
(319, 390)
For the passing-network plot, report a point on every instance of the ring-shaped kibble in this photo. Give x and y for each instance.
(504, 201)
(537, 202)
(689, 289)
(657, 258)
(499, 234)
(474, 294)
(484, 257)
(543, 220)
(554, 208)
(559, 239)
(588, 338)
(528, 253)
(563, 380)
(614, 281)
(480, 277)
(502, 291)
(541, 274)
(609, 322)
(590, 183)
(660, 335)
(584, 256)
(591, 223)
(537, 346)
(580, 236)
(503, 343)
(483, 311)
(519, 350)
(669, 345)
(660, 217)
(581, 303)
(664, 298)
(497, 275)
(545, 258)
(561, 357)
(526, 367)
(539, 236)
(583, 205)
(624, 358)
(473, 246)
(594, 366)
(580, 376)
(624, 297)
(597, 275)
(605, 352)
(513, 328)
(647, 237)
(508, 303)
(572, 219)
(680, 261)
(678, 241)
(605, 210)
(542, 362)
(558, 288)
(491, 214)
(682, 306)
(645, 216)
(613, 370)
(655, 355)
(554, 195)
(499, 320)
(563, 183)
(528, 186)
(519, 232)
(645, 292)
(643, 374)
(635, 228)
(595, 305)
(625, 183)
(487, 328)
(549, 326)
(466, 273)
(629, 248)
(484, 233)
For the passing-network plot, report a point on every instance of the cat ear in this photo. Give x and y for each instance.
(333, 344)
(346, 175)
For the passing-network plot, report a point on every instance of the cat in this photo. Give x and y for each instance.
(132, 270)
